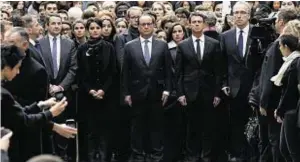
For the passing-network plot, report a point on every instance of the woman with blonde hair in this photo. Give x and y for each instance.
(289, 78)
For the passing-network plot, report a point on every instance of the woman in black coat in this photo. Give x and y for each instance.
(286, 112)
(13, 115)
(97, 68)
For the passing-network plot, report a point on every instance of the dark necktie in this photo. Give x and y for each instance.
(198, 49)
(38, 46)
(146, 52)
(54, 57)
(241, 44)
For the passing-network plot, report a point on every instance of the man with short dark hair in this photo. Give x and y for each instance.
(199, 82)
(146, 77)
(50, 7)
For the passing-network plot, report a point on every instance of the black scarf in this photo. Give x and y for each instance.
(94, 45)
(134, 32)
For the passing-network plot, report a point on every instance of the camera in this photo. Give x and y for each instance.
(71, 123)
(59, 96)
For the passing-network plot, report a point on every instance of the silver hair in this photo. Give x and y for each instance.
(243, 3)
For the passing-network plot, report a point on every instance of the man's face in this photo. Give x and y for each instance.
(279, 24)
(121, 11)
(51, 8)
(134, 16)
(197, 24)
(66, 30)
(35, 29)
(6, 7)
(63, 16)
(55, 25)
(146, 26)
(241, 16)
(218, 10)
(110, 6)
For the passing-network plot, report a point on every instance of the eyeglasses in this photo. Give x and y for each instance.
(146, 24)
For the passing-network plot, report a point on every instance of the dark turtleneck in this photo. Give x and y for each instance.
(134, 32)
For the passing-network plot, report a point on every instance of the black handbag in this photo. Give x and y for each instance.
(252, 129)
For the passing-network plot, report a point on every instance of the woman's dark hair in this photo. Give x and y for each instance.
(93, 20)
(110, 38)
(191, 3)
(170, 32)
(290, 41)
(226, 26)
(77, 22)
(10, 56)
(120, 20)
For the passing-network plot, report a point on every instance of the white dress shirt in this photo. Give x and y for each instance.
(149, 44)
(32, 42)
(58, 46)
(202, 39)
(245, 37)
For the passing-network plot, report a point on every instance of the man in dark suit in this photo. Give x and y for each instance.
(122, 130)
(60, 62)
(198, 73)
(239, 78)
(146, 74)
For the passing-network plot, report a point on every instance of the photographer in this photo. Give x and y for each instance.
(269, 94)
(18, 118)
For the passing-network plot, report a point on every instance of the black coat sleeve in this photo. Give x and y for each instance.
(125, 73)
(271, 65)
(179, 71)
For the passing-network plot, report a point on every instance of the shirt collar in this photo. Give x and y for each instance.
(32, 42)
(245, 30)
(51, 37)
(172, 44)
(143, 39)
(201, 38)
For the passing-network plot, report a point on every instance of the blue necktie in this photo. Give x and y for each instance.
(241, 44)
(146, 52)
(54, 57)
(38, 46)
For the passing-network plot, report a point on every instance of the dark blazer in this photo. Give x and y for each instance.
(120, 42)
(194, 75)
(97, 69)
(290, 93)
(139, 78)
(16, 118)
(237, 76)
(269, 93)
(36, 55)
(31, 85)
(68, 62)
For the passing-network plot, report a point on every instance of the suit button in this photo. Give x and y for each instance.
(98, 70)
(148, 80)
(97, 63)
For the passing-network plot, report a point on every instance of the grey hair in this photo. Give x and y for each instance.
(211, 19)
(21, 31)
(243, 3)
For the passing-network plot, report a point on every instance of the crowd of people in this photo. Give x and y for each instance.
(150, 81)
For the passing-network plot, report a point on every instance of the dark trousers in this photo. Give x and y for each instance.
(173, 134)
(269, 135)
(147, 130)
(220, 147)
(289, 137)
(200, 136)
(100, 127)
(239, 113)
(122, 134)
